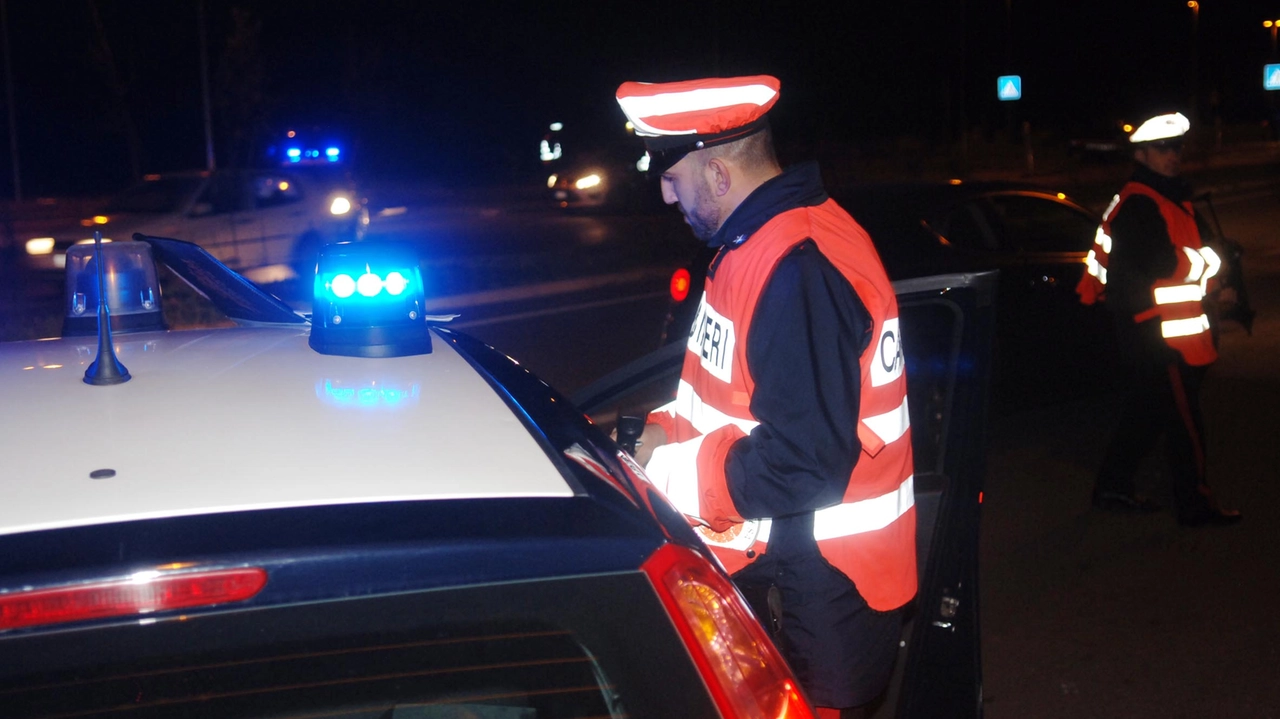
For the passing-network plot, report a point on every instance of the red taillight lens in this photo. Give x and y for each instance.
(744, 671)
(144, 593)
(680, 284)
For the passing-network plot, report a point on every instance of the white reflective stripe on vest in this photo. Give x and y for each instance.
(1095, 268)
(1184, 328)
(673, 468)
(1103, 240)
(1214, 264)
(1178, 293)
(705, 418)
(1106, 214)
(868, 515)
(1197, 264)
(891, 425)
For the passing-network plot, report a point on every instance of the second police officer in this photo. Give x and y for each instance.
(1150, 266)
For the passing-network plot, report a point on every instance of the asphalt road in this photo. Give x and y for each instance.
(1088, 614)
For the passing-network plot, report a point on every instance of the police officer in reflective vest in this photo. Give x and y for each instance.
(1150, 267)
(788, 444)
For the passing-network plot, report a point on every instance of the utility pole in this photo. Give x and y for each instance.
(13, 117)
(209, 162)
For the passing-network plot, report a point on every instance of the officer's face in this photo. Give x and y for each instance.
(1163, 160)
(686, 184)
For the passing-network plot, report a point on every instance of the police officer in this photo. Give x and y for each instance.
(1150, 266)
(788, 444)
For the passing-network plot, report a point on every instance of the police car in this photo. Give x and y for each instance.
(361, 513)
(268, 223)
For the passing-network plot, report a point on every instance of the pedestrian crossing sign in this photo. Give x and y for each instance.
(1009, 87)
(1271, 77)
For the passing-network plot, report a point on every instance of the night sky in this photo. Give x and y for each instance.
(461, 92)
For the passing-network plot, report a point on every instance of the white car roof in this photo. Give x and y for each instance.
(249, 418)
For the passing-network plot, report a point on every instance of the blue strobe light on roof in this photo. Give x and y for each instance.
(367, 301)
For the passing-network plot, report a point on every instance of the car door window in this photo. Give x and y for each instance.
(966, 226)
(1030, 223)
(221, 196)
(274, 191)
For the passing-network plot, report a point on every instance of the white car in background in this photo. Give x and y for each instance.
(268, 224)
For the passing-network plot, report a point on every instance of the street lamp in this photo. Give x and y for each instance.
(1273, 25)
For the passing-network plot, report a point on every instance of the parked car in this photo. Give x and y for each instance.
(268, 223)
(353, 514)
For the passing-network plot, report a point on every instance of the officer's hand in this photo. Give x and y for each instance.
(654, 436)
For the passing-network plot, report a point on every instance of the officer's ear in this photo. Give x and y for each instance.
(720, 176)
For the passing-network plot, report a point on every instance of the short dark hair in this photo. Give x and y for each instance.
(755, 150)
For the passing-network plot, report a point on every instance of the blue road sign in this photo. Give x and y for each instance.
(1271, 77)
(1009, 87)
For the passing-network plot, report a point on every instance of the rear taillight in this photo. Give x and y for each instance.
(742, 668)
(680, 284)
(143, 593)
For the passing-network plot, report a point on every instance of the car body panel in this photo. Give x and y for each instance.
(276, 444)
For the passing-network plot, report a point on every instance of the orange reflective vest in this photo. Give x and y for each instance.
(1178, 298)
(870, 535)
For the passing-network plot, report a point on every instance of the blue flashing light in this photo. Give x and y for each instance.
(369, 284)
(293, 153)
(395, 283)
(368, 300)
(332, 152)
(342, 286)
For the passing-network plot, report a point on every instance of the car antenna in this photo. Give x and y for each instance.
(106, 369)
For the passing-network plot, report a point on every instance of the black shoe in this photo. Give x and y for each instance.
(1211, 518)
(1122, 502)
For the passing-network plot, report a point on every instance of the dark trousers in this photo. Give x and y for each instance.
(1162, 399)
(841, 650)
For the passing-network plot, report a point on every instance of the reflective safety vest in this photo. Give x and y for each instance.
(870, 535)
(1178, 298)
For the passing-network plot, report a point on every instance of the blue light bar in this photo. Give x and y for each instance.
(367, 301)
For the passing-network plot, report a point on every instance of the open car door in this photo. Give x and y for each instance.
(947, 322)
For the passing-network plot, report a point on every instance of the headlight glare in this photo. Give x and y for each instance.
(339, 206)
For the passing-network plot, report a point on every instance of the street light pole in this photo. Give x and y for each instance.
(13, 119)
(1274, 25)
(210, 162)
(1195, 33)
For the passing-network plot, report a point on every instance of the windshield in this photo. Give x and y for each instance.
(155, 196)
